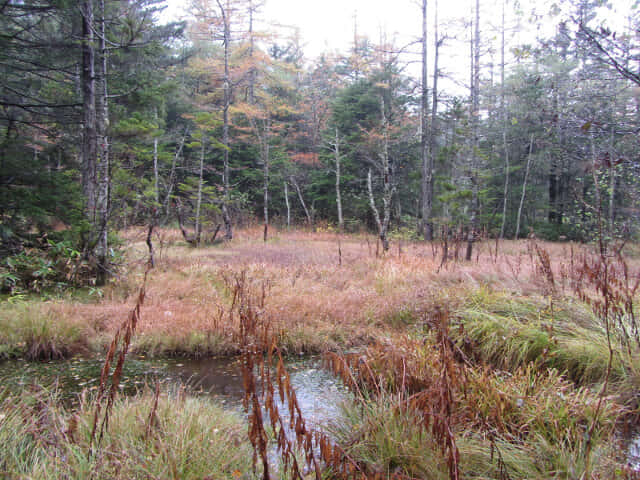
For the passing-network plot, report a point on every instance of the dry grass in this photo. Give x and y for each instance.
(317, 303)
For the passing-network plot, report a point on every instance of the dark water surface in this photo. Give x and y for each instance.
(319, 393)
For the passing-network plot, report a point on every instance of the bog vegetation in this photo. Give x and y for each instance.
(462, 252)
(522, 363)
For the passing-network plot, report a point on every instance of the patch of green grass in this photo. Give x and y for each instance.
(401, 318)
(510, 332)
(538, 459)
(304, 339)
(191, 438)
(539, 422)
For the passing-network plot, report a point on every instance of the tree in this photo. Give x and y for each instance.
(474, 141)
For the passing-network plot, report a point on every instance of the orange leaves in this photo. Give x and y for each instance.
(305, 158)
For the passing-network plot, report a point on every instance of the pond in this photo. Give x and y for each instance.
(319, 393)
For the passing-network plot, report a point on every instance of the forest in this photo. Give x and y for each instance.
(204, 231)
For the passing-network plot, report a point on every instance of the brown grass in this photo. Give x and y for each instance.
(317, 303)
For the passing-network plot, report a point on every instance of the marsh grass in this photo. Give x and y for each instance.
(389, 440)
(529, 424)
(311, 294)
(32, 331)
(509, 332)
(191, 438)
(505, 388)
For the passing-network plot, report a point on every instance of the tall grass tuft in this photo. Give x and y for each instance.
(191, 439)
(34, 332)
(509, 332)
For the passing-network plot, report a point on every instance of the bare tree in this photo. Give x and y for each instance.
(427, 163)
(524, 185)
(335, 146)
(225, 11)
(503, 124)
(475, 111)
(387, 188)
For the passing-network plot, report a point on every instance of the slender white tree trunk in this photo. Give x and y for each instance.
(172, 175)
(427, 166)
(199, 195)
(475, 111)
(103, 169)
(503, 121)
(524, 186)
(304, 205)
(225, 12)
(336, 147)
(265, 171)
(612, 187)
(89, 134)
(286, 201)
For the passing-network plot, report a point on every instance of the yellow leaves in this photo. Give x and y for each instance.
(248, 110)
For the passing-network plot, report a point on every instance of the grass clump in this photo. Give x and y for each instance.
(188, 438)
(32, 331)
(533, 436)
(511, 332)
(389, 440)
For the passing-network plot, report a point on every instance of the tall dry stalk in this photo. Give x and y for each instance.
(119, 347)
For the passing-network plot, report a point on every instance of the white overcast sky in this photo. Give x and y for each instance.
(328, 25)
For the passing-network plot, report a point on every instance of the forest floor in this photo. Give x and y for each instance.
(523, 319)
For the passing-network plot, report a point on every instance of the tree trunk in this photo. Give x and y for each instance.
(376, 213)
(524, 186)
(475, 108)
(103, 169)
(431, 140)
(612, 197)
(336, 147)
(89, 133)
(228, 230)
(503, 121)
(304, 205)
(387, 190)
(252, 70)
(286, 201)
(199, 195)
(427, 166)
(386, 179)
(172, 175)
(555, 215)
(156, 191)
(265, 170)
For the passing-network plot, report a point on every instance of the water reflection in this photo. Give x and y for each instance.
(318, 392)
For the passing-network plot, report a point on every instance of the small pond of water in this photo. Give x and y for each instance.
(319, 393)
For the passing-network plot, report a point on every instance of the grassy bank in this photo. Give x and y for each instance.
(189, 438)
(509, 332)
